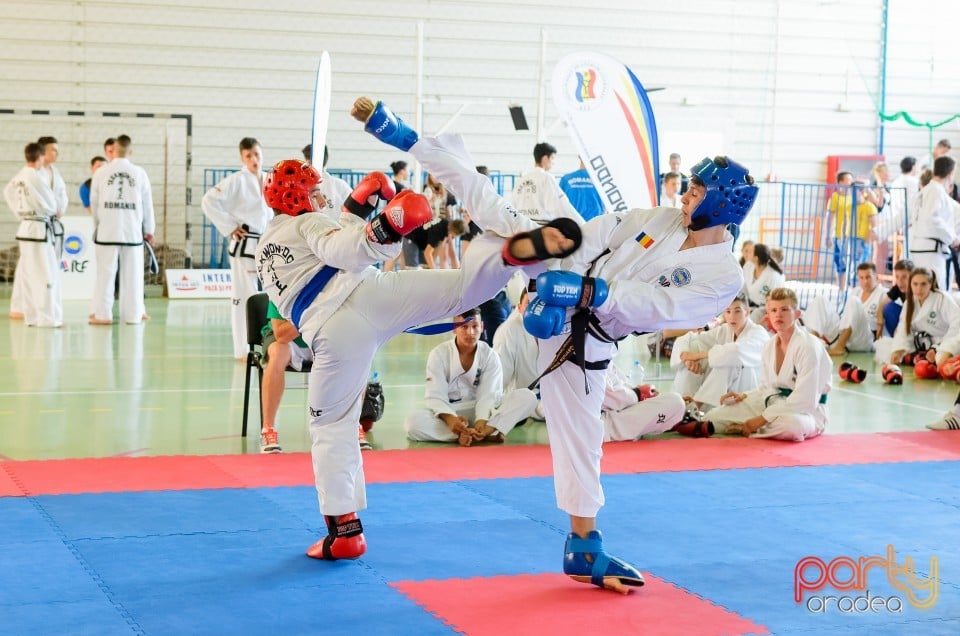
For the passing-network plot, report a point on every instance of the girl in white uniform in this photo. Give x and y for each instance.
(759, 280)
(122, 206)
(709, 364)
(928, 316)
(38, 270)
(791, 402)
(235, 206)
(467, 404)
(319, 274)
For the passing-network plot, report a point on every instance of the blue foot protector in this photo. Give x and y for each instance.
(390, 129)
(579, 567)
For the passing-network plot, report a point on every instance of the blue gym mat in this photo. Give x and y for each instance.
(231, 560)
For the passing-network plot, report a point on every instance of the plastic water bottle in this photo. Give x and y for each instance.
(637, 373)
(375, 378)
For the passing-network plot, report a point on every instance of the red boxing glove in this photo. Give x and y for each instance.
(892, 374)
(950, 368)
(852, 373)
(925, 369)
(402, 215)
(366, 196)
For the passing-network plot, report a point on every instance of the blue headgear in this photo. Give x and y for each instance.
(730, 192)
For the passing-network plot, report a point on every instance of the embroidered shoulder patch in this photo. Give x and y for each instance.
(680, 276)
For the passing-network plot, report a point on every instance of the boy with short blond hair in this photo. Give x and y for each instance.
(791, 402)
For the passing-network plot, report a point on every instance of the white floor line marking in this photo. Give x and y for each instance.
(883, 399)
(145, 391)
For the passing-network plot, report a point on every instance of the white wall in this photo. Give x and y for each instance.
(762, 79)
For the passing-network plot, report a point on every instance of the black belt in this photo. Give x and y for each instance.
(54, 232)
(238, 248)
(936, 249)
(573, 350)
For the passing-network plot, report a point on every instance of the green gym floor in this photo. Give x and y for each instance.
(171, 387)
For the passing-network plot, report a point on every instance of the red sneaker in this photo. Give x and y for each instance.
(362, 439)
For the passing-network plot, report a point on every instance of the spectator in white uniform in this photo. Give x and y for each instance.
(933, 230)
(122, 205)
(855, 328)
(465, 399)
(709, 364)
(758, 280)
(537, 194)
(236, 207)
(929, 317)
(32, 201)
(630, 411)
(50, 152)
(791, 402)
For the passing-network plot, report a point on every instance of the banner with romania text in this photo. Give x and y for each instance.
(611, 122)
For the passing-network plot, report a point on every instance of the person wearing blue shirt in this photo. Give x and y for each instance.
(582, 194)
(95, 163)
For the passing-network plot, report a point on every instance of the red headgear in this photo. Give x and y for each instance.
(287, 187)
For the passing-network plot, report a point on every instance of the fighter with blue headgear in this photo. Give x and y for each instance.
(637, 272)
(730, 192)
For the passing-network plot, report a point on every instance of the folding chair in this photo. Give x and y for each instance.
(256, 319)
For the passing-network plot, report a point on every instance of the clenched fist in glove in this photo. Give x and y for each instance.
(366, 196)
(402, 215)
(542, 320)
(383, 124)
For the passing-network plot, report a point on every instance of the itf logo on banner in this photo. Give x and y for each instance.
(74, 247)
(77, 261)
(846, 574)
(73, 244)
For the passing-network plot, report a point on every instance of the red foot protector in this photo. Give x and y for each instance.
(553, 604)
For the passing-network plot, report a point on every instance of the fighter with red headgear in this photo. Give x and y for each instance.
(319, 273)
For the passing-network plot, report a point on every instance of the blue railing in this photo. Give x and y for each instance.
(213, 248)
(794, 216)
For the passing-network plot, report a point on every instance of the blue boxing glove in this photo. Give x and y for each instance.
(566, 289)
(383, 124)
(542, 320)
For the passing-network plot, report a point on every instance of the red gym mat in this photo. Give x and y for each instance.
(130, 474)
(8, 488)
(118, 474)
(553, 604)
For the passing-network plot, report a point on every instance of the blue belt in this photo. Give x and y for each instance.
(309, 293)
